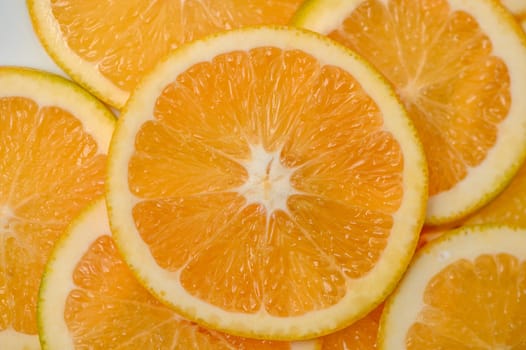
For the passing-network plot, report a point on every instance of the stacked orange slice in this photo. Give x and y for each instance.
(266, 185)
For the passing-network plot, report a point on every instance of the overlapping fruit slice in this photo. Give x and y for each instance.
(90, 300)
(464, 290)
(460, 69)
(361, 335)
(107, 46)
(53, 142)
(267, 182)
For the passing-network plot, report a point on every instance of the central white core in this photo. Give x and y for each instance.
(6, 214)
(268, 180)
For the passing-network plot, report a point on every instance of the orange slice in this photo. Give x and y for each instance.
(107, 46)
(460, 69)
(509, 207)
(361, 335)
(266, 182)
(89, 299)
(53, 143)
(464, 290)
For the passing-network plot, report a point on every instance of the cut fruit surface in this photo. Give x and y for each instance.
(53, 142)
(361, 335)
(107, 46)
(90, 300)
(460, 69)
(509, 207)
(268, 183)
(464, 290)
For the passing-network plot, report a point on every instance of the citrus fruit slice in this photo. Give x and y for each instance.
(518, 9)
(509, 207)
(89, 299)
(267, 182)
(53, 143)
(107, 46)
(361, 335)
(459, 67)
(464, 290)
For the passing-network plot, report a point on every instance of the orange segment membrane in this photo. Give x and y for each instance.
(159, 26)
(478, 302)
(46, 159)
(191, 161)
(455, 90)
(109, 306)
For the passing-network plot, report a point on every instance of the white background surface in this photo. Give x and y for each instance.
(19, 46)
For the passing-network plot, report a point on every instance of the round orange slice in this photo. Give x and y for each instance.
(53, 142)
(464, 290)
(459, 67)
(89, 299)
(107, 46)
(267, 182)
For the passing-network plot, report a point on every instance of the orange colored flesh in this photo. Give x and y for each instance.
(126, 38)
(108, 306)
(509, 207)
(319, 122)
(455, 91)
(476, 304)
(361, 335)
(51, 168)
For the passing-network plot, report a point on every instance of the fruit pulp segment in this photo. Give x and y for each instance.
(455, 90)
(361, 335)
(47, 159)
(159, 26)
(100, 310)
(326, 148)
(508, 207)
(480, 303)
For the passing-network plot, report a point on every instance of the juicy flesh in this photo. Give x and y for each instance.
(50, 168)
(361, 335)
(509, 207)
(442, 65)
(108, 306)
(311, 133)
(126, 38)
(476, 304)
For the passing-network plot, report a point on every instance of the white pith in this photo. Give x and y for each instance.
(165, 284)
(6, 214)
(13, 340)
(467, 243)
(515, 6)
(268, 181)
(503, 160)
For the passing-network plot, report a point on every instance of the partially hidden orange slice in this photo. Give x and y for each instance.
(464, 290)
(460, 69)
(53, 143)
(509, 207)
(267, 182)
(361, 335)
(89, 299)
(107, 46)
